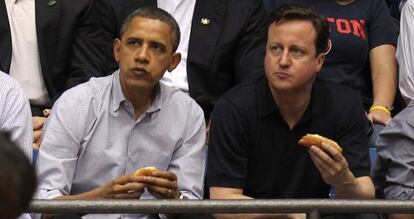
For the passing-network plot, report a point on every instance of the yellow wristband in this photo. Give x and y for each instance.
(383, 109)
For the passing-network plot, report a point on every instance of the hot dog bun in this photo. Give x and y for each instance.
(313, 139)
(146, 171)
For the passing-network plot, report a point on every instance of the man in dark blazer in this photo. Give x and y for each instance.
(226, 44)
(70, 45)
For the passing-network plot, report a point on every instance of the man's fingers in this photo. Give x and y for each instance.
(166, 175)
(322, 155)
(37, 122)
(161, 192)
(332, 152)
(319, 163)
(37, 135)
(378, 116)
(128, 188)
(129, 195)
(161, 182)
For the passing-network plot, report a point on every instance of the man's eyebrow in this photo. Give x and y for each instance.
(156, 43)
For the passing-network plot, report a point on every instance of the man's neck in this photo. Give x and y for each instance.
(292, 105)
(141, 100)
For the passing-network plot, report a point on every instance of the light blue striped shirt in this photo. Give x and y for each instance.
(15, 115)
(92, 137)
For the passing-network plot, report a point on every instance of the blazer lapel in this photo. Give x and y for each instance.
(48, 25)
(5, 39)
(205, 31)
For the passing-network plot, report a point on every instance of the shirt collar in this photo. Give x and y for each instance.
(118, 96)
(319, 98)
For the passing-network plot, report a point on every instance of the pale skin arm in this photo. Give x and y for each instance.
(235, 193)
(384, 80)
(401, 216)
(334, 170)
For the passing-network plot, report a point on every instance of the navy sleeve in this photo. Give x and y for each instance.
(227, 152)
(353, 137)
(382, 28)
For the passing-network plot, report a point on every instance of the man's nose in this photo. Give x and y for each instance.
(284, 59)
(142, 55)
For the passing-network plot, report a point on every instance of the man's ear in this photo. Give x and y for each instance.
(117, 48)
(175, 60)
(319, 61)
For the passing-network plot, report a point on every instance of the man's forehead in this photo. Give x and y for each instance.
(148, 26)
(293, 28)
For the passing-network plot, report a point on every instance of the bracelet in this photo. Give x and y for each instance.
(383, 109)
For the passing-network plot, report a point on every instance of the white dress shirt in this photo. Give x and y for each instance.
(25, 63)
(182, 11)
(405, 52)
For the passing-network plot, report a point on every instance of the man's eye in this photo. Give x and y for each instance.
(158, 47)
(276, 49)
(297, 52)
(133, 43)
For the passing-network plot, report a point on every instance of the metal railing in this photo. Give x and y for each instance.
(313, 207)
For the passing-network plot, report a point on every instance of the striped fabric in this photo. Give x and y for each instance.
(15, 115)
(92, 137)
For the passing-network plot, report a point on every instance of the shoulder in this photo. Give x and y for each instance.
(7, 82)
(9, 87)
(338, 98)
(178, 101)
(92, 91)
(242, 100)
(244, 94)
(408, 6)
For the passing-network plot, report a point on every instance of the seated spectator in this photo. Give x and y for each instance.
(50, 46)
(255, 128)
(405, 52)
(15, 117)
(100, 132)
(17, 179)
(394, 169)
(362, 56)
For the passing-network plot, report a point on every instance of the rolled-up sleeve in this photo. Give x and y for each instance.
(60, 146)
(394, 167)
(189, 160)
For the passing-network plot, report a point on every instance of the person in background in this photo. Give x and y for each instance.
(393, 173)
(100, 132)
(50, 46)
(405, 52)
(17, 179)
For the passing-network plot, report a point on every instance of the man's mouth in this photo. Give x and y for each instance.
(139, 71)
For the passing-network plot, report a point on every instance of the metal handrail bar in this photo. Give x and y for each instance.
(221, 206)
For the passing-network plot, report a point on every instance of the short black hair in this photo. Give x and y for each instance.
(290, 12)
(17, 179)
(156, 14)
